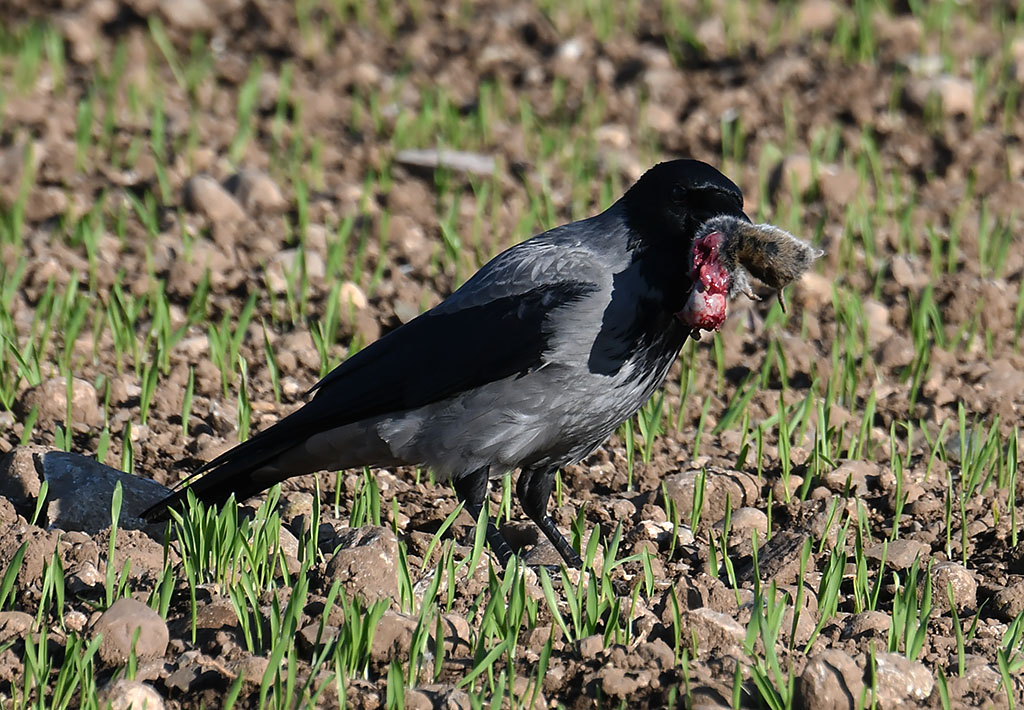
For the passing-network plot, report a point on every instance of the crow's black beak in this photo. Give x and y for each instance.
(738, 214)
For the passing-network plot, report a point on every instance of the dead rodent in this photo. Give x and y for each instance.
(771, 255)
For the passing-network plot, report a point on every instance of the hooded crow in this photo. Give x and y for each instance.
(531, 364)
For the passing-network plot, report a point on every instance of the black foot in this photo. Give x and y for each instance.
(571, 557)
(472, 491)
(499, 545)
(534, 489)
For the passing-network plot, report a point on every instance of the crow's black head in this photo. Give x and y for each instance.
(672, 199)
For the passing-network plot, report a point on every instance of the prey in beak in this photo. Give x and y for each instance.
(726, 252)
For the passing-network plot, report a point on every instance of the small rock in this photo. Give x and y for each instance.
(457, 160)
(871, 624)
(899, 554)
(1004, 380)
(182, 680)
(713, 629)
(416, 699)
(813, 291)
(406, 311)
(457, 636)
(351, 295)
(288, 545)
(746, 519)
(218, 613)
(925, 507)
(817, 16)
(312, 639)
(522, 687)
(185, 273)
(118, 625)
(839, 185)
(712, 36)
(50, 398)
(189, 15)
(656, 530)
(269, 90)
(40, 546)
(296, 504)
(84, 577)
(543, 553)
(737, 487)
(205, 195)
(591, 646)
(657, 653)
(365, 562)
(612, 135)
(256, 191)
(81, 33)
(411, 240)
(854, 473)
(617, 682)
(14, 625)
(129, 695)
(366, 74)
(820, 493)
(831, 680)
(955, 93)
(796, 173)
(903, 29)
(21, 477)
(965, 587)
(14, 159)
(75, 620)
(81, 488)
(45, 202)
(393, 637)
(570, 50)
(896, 352)
(908, 272)
(662, 84)
(285, 264)
(251, 668)
(900, 680)
(1009, 601)
(877, 316)
(978, 675)
(784, 490)
(448, 697)
(660, 119)
(316, 238)
(406, 198)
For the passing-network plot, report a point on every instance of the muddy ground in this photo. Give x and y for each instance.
(937, 131)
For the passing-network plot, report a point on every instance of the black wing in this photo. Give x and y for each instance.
(439, 354)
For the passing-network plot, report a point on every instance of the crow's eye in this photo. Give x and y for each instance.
(678, 193)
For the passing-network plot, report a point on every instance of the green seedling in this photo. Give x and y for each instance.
(910, 613)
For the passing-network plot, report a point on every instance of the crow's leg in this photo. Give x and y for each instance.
(534, 490)
(472, 491)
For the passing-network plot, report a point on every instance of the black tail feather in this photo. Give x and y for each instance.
(231, 472)
(211, 487)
